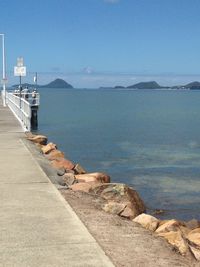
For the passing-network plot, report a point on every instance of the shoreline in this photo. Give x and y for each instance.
(79, 202)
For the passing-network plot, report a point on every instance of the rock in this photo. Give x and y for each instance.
(176, 239)
(128, 213)
(70, 171)
(171, 225)
(84, 187)
(184, 230)
(79, 169)
(195, 252)
(62, 163)
(38, 139)
(114, 208)
(55, 154)
(162, 222)
(147, 221)
(194, 237)
(48, 148)
(69, 179)
(192, 224)
(60, 171)
(121, 193)
(93, 177)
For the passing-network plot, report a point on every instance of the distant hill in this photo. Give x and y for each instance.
(146, 85)
(193, 86)
(58, 83)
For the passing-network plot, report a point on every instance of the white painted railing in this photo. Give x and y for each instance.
(22, 107)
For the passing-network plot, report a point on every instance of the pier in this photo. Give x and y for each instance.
(38, 227)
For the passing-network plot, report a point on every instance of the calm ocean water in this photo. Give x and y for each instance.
(148, 139)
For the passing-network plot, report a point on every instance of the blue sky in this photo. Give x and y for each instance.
(92, 43)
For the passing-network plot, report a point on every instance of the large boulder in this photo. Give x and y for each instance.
(62, 163)
(175, 239)
(168, 226)
(114, 207)
(121, 193)
(184, 230)
(55, 154)
(38, 139)
(147, 221)
(84, 187)
(93, 177)
(194, 237)
(48, 148)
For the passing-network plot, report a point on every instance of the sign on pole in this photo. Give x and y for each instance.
(20, 69)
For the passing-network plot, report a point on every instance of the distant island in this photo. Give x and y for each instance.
(154, 85)
(147, 85)
(57, 83)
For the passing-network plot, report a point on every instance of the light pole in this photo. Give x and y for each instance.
(4, 69)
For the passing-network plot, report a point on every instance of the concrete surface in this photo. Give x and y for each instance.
(37, 226)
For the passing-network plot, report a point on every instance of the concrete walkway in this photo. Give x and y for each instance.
(37, 226)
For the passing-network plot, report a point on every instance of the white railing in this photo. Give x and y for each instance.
(22, 106)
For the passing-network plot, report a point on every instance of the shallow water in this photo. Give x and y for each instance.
(148, 139)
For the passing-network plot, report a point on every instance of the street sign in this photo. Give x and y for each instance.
(20, 71)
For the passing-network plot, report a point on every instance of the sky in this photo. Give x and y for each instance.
(92, 43)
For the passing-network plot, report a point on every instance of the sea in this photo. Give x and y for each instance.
(148, 139)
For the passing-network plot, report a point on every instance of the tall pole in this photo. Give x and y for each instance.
(4, 69)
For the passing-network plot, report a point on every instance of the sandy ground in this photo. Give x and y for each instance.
(126, 243)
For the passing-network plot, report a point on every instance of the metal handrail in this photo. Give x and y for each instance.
(21, 106)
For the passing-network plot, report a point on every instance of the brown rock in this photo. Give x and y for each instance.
(192, 224)
(93, 177)
(176, 239)
(48, 148)
(147, 221)
(38, 139)
(69, 179)
(62, 163)
(184, 230)
(84, 187)
(123, 194)
(194, 236)
(79, 169)
(195, 252)
(55, 154)
(162, 222)
(171, 225)
(114, 207)
(128, 213)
